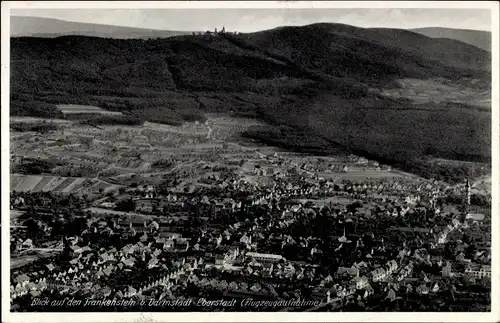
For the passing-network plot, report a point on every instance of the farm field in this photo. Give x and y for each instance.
(76, 108)
(32, 183)
(425, 91)
(27, 184)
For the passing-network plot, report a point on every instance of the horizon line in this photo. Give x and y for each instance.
(189, 31)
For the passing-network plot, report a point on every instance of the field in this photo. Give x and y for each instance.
(84, 109)
(31, 183)
(440, 90)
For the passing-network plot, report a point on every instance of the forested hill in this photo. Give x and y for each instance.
(324, 79)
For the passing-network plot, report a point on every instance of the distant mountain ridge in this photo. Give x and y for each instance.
(21, 26)
(477, 38)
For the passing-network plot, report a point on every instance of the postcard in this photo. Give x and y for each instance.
(230, 161)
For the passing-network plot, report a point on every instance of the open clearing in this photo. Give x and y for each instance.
(75, 108)
(438, 90)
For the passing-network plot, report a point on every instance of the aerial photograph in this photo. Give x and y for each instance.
(250, 160)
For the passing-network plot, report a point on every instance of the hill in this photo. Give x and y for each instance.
(319, 85)
(479, 38)
(21, 26)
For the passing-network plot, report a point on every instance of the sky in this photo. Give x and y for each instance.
(250, 20)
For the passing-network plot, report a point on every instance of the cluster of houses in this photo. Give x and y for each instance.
(152, 256)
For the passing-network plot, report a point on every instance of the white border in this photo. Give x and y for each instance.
(493, 316)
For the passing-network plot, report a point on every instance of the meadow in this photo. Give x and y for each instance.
(85, 109)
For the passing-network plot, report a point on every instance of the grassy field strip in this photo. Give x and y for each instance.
(37, 183)
(34, 119)
(67, 181)
(79, 186)
(14, 180)
(75, 108)
(28, 183)
(41, 184)
(72, 185)
(112, 188)
(53, 184)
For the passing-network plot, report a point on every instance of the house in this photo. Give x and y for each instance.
(360, 282)
(350, 288)
(104, 258)
(338, 290)
(422, 289)
(129, 262)
(378, 274)
(106, 291)
(475, 216)
(119, 295)
(108, 271)
(131, 291)
(267, 269)
(247, 240)
(74, 261)
(219, 258)
(289, 270)
(368, 291)
(405, 271)
(232, 253)
(478, 271)
(168, 235)
(447, 270)
(168, 244)
(261, 257)
(391, 266)
(27, 244)
(181, 244)
(352, 271)
(22, 279)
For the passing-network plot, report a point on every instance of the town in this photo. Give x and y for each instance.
(314, 232)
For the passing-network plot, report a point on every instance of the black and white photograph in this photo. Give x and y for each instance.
(288, 158)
